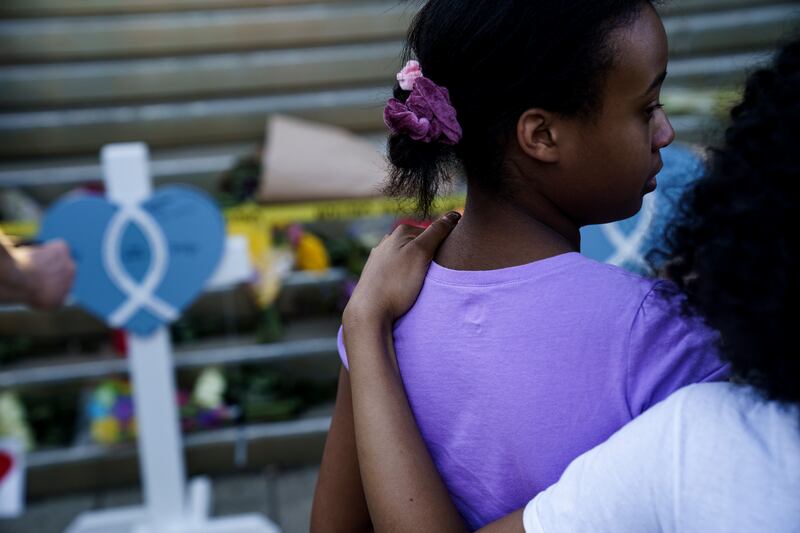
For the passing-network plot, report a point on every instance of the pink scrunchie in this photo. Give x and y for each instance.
(427, 115)
(408, 75)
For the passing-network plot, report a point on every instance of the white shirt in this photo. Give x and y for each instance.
(713, 457)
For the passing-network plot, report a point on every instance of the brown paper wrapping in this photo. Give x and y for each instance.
(304, 160)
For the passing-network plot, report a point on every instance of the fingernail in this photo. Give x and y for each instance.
(454, 216)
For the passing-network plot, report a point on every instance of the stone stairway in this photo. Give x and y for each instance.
(195, 79)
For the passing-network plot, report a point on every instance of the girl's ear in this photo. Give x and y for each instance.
(537, 135)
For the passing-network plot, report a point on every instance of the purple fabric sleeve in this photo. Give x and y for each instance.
(342, 351)
(668, 350)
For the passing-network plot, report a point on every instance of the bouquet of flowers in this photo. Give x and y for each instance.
(112, 420)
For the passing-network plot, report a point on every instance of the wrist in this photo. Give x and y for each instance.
(16, 277)
(27, 285)
(368, 340)
(357, 317)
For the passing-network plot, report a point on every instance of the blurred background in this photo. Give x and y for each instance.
(252, 101)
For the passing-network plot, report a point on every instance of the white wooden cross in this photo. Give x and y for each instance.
(169, 506)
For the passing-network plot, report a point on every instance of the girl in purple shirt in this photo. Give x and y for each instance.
(713, 457)
(520, 354)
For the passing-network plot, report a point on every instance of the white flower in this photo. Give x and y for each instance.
(209, 389)
(13, 421)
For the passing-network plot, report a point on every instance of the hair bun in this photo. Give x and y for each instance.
(417, 170)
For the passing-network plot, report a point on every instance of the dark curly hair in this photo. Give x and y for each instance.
(499, 58)
(733, 252)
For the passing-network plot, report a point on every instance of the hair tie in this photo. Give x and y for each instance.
(427, 114)
(408, 75)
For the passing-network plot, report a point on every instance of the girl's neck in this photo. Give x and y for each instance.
(496, 234)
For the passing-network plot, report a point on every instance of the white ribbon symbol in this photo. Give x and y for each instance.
(628, 247)
(139, 295)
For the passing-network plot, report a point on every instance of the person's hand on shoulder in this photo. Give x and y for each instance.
(394, 273)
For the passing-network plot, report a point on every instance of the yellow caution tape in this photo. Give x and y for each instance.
(22, 230)
(281, 214)
(255, 223)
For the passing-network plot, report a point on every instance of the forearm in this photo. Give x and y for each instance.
(339, 503)
(404, 490)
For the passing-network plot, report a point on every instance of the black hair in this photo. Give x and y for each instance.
(731, 247)
(499, 58)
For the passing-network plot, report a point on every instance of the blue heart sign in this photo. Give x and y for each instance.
(139, 266)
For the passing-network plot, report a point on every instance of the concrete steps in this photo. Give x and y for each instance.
(59, 132)
(174, 78)
(200, 76)
(71, 8)
(157, 34)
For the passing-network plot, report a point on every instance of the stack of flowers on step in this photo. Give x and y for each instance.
(110, 408)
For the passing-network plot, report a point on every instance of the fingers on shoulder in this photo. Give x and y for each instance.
(430, 239)
(407, 230)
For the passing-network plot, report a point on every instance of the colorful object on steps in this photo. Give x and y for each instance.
(311, 253)
(111, 411)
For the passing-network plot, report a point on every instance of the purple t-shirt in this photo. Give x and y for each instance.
(513, 373)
